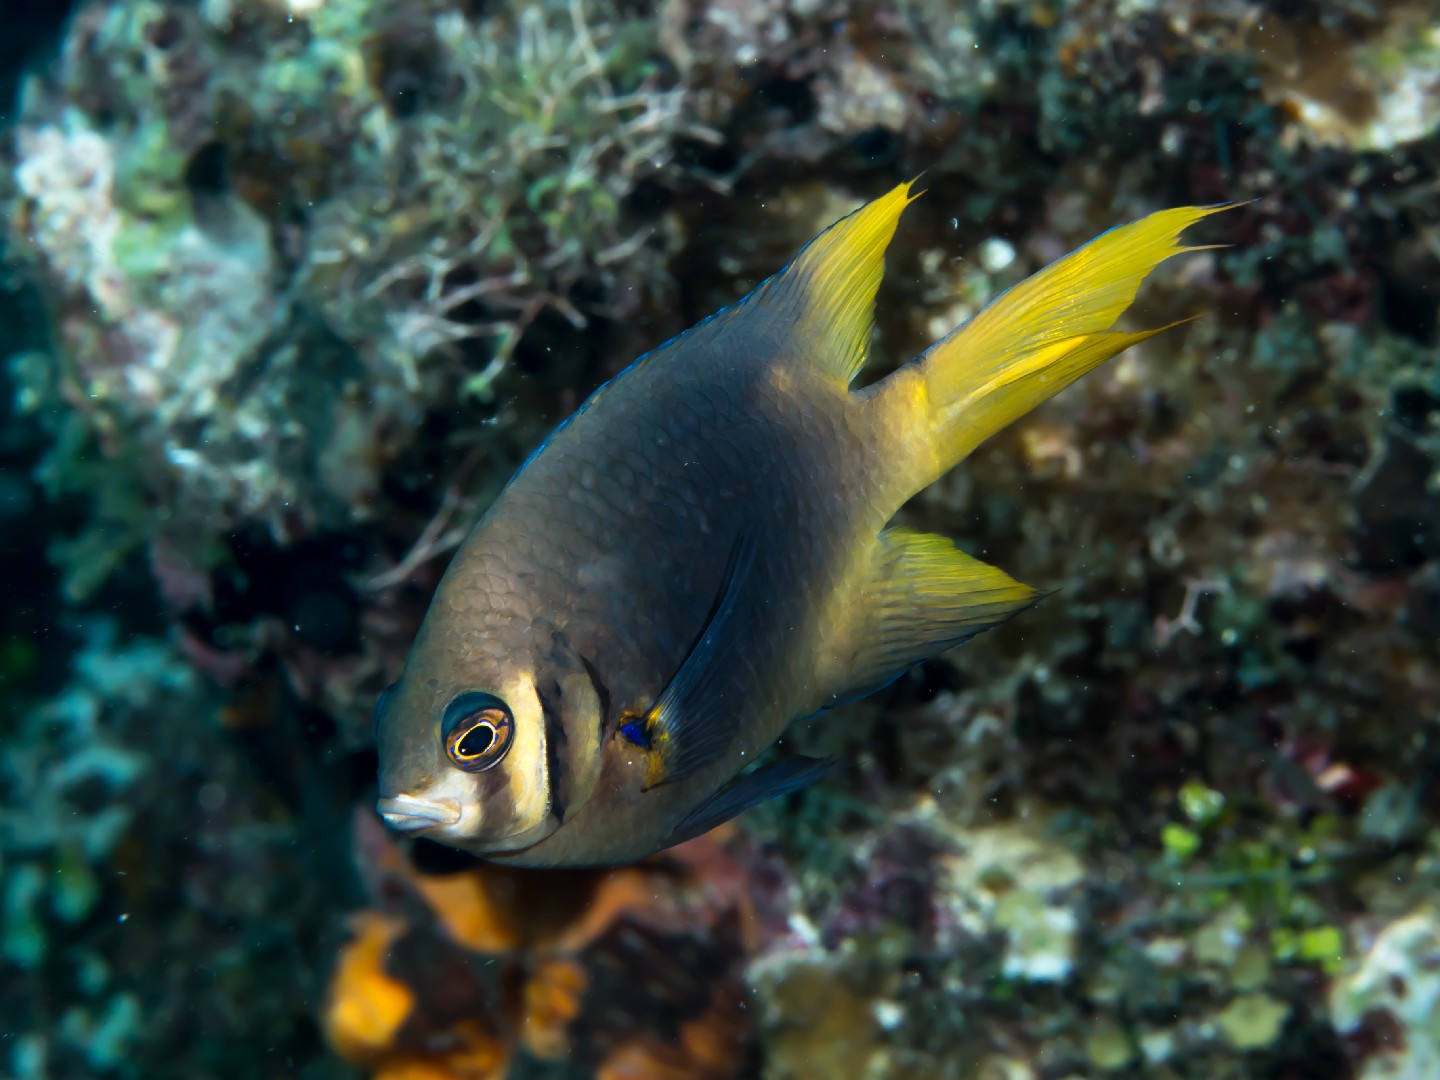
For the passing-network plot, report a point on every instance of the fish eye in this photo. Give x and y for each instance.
(478, 728)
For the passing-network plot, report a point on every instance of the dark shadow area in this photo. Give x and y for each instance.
(31, 29)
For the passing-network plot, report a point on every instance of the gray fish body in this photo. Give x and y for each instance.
(616, 539)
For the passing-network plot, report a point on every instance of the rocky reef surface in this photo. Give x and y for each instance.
(292, 287)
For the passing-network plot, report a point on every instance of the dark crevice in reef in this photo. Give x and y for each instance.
(34, 646)
(31, 30)
(305, 586)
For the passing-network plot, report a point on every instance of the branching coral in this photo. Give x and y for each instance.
(507, 194)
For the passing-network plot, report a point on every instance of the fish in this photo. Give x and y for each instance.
(706, 551)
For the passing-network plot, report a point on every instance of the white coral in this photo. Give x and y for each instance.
(67, 176)
(1399, 975)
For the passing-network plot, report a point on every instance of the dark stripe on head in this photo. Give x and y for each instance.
(601, 691)
(556, 737)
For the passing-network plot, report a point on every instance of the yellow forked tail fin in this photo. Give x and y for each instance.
(1040, 336)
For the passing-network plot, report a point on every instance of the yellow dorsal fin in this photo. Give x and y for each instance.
(828, 293)
(1040, 336)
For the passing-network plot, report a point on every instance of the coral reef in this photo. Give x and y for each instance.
(320, 275)
(149, 870)
(1392, 992)
(269, 234)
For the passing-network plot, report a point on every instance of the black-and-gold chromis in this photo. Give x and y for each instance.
(704, 552)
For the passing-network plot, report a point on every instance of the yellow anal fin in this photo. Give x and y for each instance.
(1040, 336)
(826, 296)
(923, 596)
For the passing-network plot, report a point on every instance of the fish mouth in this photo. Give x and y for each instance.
(406, 813)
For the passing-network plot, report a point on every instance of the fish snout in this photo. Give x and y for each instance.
(406, 813)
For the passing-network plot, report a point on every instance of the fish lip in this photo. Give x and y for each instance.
(407, 813)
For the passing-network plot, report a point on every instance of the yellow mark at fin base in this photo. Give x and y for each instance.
(645, 732)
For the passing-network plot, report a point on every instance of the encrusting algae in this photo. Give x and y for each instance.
(705, 551)
(455, 976)
(368, 1006)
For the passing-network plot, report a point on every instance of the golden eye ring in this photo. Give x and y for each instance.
(478, 731)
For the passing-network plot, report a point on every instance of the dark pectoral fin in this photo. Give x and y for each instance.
(698, 715)
(751, 789)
